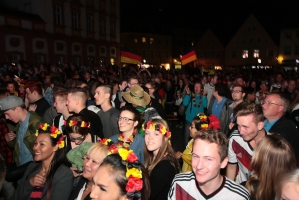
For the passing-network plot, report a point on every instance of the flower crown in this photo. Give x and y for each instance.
(157, 127)
(81, 124)
(208, 122)
(54, 133)
(133, 169)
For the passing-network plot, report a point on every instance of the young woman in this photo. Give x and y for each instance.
(273, 157)
(115, 178)
(128, 121)
(288, 187)
(160, 158)
(92, 161)
(199, 123)
(77, 127)
(48, 177)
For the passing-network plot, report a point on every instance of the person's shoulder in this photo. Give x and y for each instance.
(113, 138)
(236, 188)
(186, 176)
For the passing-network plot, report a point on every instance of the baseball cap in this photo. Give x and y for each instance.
(10, 102)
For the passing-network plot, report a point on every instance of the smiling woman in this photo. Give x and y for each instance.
(48, 177)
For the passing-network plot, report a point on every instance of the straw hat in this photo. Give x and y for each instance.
(137, 96)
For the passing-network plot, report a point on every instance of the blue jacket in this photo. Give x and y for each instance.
(190, 107)
(137, 145)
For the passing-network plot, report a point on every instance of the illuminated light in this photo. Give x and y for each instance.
(144, 61)
(259, 60)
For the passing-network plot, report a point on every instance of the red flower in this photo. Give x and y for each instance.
(134, 184)
(113, 149)
(132, 158)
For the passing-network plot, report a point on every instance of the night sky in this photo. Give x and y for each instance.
(223, 17)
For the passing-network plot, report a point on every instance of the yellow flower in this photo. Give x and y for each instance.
(45, 126)
(124, 153)
(134, 172)
(204, 126)
(61, 145)
(36, 133)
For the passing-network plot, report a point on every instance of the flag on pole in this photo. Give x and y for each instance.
(188, 57)
(128, 56)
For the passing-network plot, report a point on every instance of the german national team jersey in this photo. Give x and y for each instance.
(240, 152)
(184, 186)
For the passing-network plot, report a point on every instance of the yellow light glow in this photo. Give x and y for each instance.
(280, 59)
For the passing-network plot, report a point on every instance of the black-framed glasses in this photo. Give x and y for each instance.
(269, 103)
(236, 91)
(80, 139)
(125, 119)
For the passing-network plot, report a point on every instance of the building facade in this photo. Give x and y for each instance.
(81, 32)
(154, 49)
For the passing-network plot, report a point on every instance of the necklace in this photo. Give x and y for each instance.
(126, 144)
(194, 101)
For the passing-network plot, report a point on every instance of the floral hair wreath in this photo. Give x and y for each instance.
(81, 124)
(133, 170)
(54, 133)
(157, 127)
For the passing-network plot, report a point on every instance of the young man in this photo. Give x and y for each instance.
(108, 114)
(209, 155)
(14, 109)
(242, 142)
(210, 87)
(34, 93)
(76, 103)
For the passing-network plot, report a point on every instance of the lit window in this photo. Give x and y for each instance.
(245, 53)
(256, 53)
(151, 40)
(143, 40)
(135, 40)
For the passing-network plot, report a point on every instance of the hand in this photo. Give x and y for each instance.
(37, 180)
(32, 107)
(205, 92)
(178, 154)
(10, 136)
(74, 169)
(231, 125)
(187, 89)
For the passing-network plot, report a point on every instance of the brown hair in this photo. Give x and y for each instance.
(165, 149)
(34, 86)
(273, 157)
(79, 92)
(245, 109)
(76, 128)
(217, 137)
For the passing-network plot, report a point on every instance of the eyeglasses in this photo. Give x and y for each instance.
(80, 139)
(236, 91)
(125, 119)
(269, 103)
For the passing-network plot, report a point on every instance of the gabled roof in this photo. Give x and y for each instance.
(20, 14)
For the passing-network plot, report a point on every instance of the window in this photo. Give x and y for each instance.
(112, 29)
(151, 40)
(102, 26)
(258, 40)
(159, 54)
(13, 57)
(75, 19)
(57, 15)
(135, 40)
(288, 35)
(152, 54)
(251, 40)
(249, 28)
(38, 59)
(270, 53)
(159, 41)
(287, 50)
(89, 23)
(167, 55)
(76, 60)
(245, 54)
(253, 28)
(234, 54)
(217, 54)
(143, 40)
(256, 53)
(244, 41)
(296, 50)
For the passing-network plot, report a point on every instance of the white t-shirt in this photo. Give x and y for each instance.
(210, 89)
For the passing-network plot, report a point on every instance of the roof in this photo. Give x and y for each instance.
(20, 14)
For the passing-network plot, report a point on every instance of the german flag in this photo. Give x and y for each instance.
(188, 57)
(128, 56)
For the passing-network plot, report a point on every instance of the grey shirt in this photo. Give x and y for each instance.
(109, 121)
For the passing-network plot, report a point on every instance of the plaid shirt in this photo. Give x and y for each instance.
(5, 150)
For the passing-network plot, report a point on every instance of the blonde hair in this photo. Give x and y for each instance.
(273, 157)
(99, 149)
(164, 150)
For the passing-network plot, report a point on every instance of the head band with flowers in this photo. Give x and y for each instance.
(133, 169)
(81, 124)
(54, 133)
(157, 127)
(208, 122)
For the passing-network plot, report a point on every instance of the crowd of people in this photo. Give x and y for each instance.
(88, 133)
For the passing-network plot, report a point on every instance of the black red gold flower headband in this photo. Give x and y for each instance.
(157, 127)
(81, 124)
(133, 169)
(54, 133)
(208, 122)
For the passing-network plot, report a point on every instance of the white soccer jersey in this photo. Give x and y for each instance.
(185, 187)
